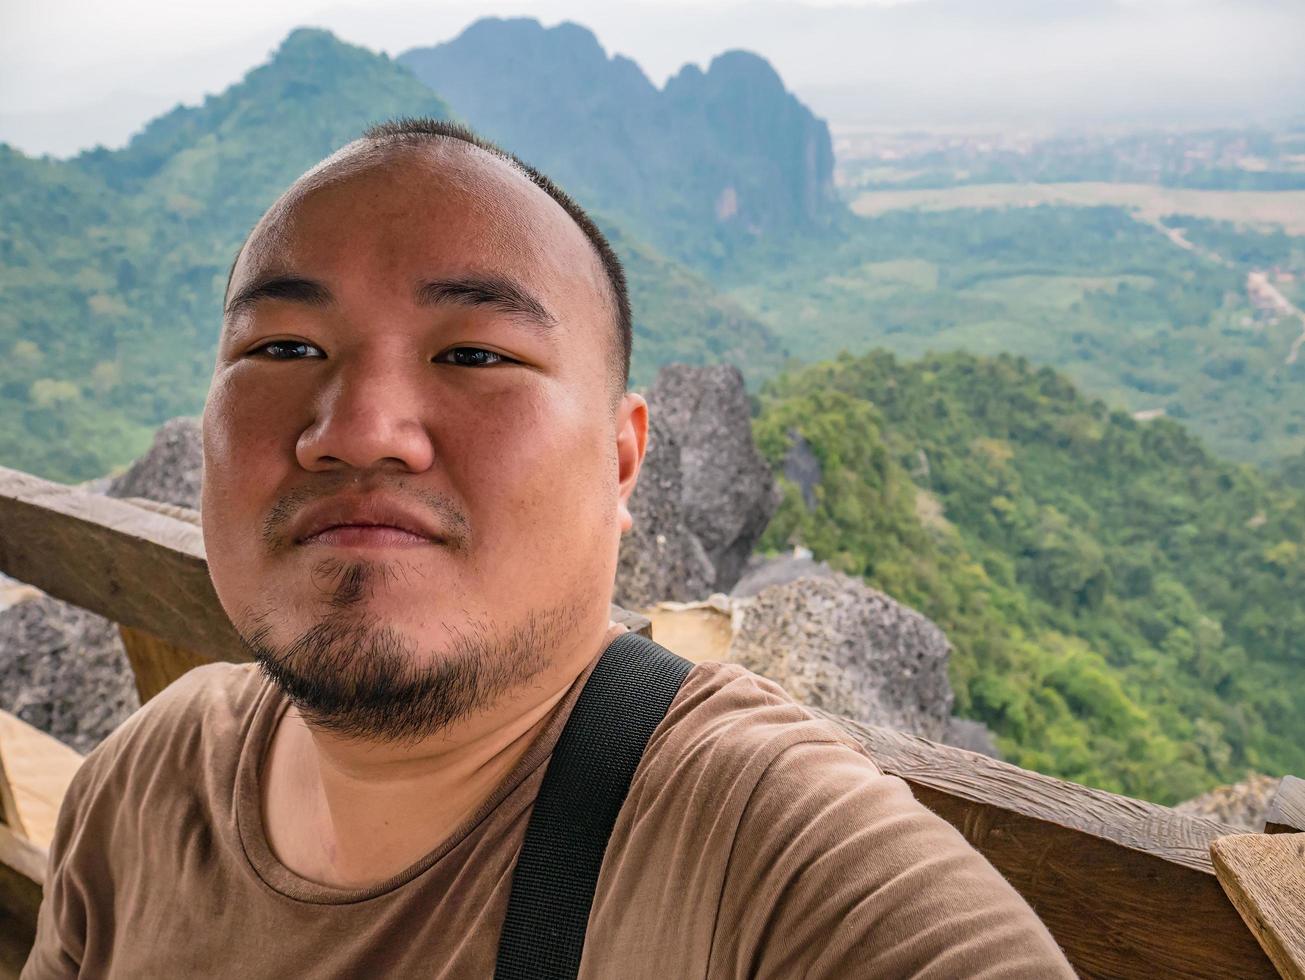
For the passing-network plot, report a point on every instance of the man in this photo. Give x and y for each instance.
(418, 452)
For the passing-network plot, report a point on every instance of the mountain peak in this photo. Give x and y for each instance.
(550, 56)
(744, 156)
(527, 31)
(746, 67)
(314, 94)
(308, 38)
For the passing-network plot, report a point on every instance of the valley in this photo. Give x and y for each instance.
(1263, 210)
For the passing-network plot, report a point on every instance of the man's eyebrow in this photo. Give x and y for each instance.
(496, 292)
(295, 289)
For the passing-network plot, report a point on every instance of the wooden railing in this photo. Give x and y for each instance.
(1128, 888)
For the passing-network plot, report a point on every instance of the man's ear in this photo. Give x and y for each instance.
(631, 442)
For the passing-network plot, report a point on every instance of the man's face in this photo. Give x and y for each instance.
(415, 463)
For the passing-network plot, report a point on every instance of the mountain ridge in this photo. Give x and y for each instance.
(711, 160)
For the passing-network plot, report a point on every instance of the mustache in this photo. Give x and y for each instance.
(449, 517)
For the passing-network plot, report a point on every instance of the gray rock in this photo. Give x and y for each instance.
(762, 573)
(802, 467)
(729, 491)
(170, 470)
(660, 559)
(837, 644)
(64, 670)
(1243, 804)
(973, 736)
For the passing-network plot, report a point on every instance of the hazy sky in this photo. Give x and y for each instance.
(74, 73)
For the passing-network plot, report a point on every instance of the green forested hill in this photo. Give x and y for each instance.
(1129, 315)
(112, 264)
(1125, 608)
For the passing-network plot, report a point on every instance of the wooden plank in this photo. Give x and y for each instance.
(633, 621)
(697, 631)
(39, 769)
(14, 950)
(22, 873)
(1126, 887)
(9, 814)
(1286, 812)
(1264, 876)
(134, 566)
(22, 856)
(156, 664)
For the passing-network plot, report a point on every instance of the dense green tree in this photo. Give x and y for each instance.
(1124, 607)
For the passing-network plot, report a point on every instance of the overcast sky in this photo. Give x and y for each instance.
(74, 73)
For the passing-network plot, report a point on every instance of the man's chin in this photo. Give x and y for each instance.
(360, 675)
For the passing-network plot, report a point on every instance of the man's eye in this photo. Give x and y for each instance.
(288, 350)
(471, 357)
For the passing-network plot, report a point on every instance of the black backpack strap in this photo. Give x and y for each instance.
(623, 701)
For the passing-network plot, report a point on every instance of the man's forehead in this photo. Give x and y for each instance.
(440, 191)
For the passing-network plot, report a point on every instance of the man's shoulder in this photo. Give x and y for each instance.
(200, 716)
(727, 716)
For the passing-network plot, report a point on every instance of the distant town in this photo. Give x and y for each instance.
(1250, 159)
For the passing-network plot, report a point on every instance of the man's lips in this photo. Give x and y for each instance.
(366, 536)
(362, 522)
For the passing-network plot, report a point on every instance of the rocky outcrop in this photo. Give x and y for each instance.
(802, 468)
(762, 573)
(64, 670)
(170, 472)
(840, 645)
(729, 492)
(707, 630)
(661, 558)
(1242, 804)
(973, 736)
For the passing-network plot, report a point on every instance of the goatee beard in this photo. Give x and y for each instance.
(353, 675)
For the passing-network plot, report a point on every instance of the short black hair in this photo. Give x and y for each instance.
(420, 128)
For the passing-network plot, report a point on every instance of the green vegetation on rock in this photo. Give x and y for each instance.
(1124, 607)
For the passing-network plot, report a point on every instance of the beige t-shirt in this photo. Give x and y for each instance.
(756, 841)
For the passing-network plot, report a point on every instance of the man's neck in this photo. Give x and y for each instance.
(350, 813)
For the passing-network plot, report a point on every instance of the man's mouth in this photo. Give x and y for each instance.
(370, 521)
(366, 536)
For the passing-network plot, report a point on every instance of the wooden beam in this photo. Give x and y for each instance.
(1126, 887)
(134, 566)
(1286, 812)
(1264, 876)
(22, 873)
(39, 769)
(156, 664)
(633, 621)
(9, 815)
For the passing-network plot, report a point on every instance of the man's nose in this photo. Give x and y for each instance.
(368, 416)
